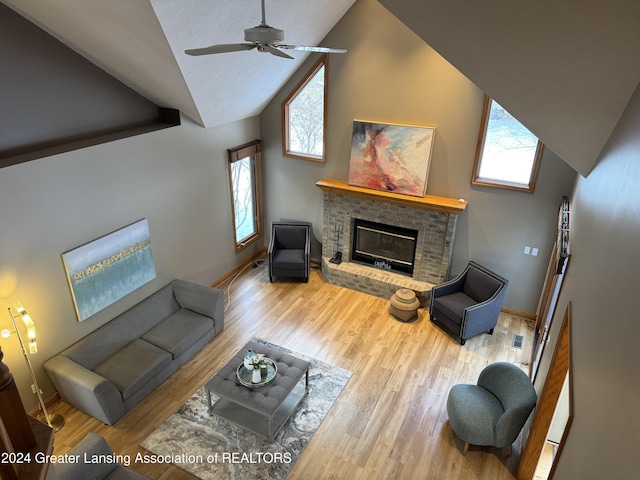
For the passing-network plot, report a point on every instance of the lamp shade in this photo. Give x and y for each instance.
(31, 327)
(55, 421)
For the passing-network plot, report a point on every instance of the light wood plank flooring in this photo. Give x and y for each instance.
(391, 419)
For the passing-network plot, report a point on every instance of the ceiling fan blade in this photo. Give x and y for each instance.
(274, 51)
(311, 49)
(222, 48)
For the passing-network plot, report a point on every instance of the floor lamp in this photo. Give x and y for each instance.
(55, 421)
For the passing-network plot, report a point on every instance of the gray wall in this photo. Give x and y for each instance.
(565, 72)
(601, 284)
(49, 93)
(176, 178)
(390, 75)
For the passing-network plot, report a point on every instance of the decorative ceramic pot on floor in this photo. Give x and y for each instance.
(256, 376)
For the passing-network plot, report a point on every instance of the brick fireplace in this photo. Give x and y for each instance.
(434, 219)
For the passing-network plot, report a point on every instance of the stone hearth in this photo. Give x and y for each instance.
(433, 217)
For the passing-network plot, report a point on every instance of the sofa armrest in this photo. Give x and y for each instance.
(93, 447)
(85, 390)
(447, 288)
(89, 446)
(204, 300)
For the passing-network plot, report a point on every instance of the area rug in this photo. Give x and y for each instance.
(213, 448)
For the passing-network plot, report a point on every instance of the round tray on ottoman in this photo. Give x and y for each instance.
(245, 375)
(404, 305)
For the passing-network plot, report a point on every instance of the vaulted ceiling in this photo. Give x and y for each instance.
(564, 69)
(142, 43)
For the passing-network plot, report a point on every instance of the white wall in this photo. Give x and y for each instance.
(391, 75)
(176, 178)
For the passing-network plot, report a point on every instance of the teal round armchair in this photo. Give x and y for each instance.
(493, 412)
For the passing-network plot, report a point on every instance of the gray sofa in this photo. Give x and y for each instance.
(114, 368)
(106, 468)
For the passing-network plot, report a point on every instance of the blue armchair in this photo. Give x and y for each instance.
(470, 303)
(493, 412)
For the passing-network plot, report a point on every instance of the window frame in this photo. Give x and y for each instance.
(253, 150)
(323, 61)
(476, 179)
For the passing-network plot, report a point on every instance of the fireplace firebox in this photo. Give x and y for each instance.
(383, 246)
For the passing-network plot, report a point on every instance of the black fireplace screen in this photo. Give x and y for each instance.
(384, 246)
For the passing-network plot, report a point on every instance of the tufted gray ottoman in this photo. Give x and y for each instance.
(263, 410)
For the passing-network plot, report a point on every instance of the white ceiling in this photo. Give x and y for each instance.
(142, 43)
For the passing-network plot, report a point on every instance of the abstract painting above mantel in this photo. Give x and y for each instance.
(390, 157)
(104, 270)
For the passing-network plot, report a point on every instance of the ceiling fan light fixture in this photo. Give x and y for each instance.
(263, 34)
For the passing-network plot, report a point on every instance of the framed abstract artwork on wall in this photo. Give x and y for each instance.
(104, 270)
(390, 157)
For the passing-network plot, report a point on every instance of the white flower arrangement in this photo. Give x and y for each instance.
(255, 361)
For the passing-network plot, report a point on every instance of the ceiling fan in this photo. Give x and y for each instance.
(265, 39)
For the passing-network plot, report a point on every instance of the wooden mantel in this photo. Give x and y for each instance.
(428, 202)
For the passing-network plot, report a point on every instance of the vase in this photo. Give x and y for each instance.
(256, 376)
(247, 357)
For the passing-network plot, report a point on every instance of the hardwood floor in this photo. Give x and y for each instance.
(546, 461)
(391, 419)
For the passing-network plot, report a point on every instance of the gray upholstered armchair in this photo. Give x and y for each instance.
(470, 303)
(289, 250)
(493, 412)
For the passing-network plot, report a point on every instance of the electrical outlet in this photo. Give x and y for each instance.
(527, 250)
(534, 252)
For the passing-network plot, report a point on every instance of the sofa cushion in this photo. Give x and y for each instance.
(133, 366)
(453, 306)
(179, 332)
(289, 259)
